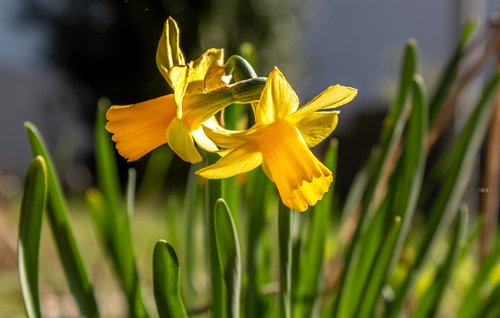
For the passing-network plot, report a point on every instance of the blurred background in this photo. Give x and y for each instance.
(58, 57)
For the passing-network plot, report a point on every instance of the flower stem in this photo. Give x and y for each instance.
(285, 219)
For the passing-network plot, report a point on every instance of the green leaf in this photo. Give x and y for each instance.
(490, 308)
(378, 271)
(471, 303)
(190, 211)
(439, 99)
(166, 282)
(285, 260)
(30, 225)
(129, 277)
(394, 123)
(231, 194)
(463, 155)
(358, 187)
(154, 176)
(412, 165)
(117, 212)
(259, 191)
(229, 256)
(96, 203)
(450, 73)
(406, 185)
(107, 170)
(57, 212)
(307, 294)
(429, 304)
(122, 258)
(366, 255)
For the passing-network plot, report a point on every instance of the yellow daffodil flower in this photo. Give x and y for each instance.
(280, 141)
(201, 90)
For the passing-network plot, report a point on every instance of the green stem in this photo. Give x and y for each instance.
(213, 193)
(285, 217)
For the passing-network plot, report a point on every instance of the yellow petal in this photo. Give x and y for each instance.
(203, 141)
(241, 159)
(333, 96)
(181, 142)
(230, 138)
(216, 77)
(194, 77)
(178, 80)
(300, 177)
(207, 72)
(137, 129)
(317, 127)
(278, 99)
(169, 53)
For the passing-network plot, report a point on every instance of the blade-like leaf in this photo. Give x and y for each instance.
(393, 128)
(449, 74)
(285, 260)
(30, 225)
(107, 170)
(411, 174)
(155, 174)
(129, 277)
(96, 204)
(229, 256)
(463, 154)
(366, 254)
(377, 274)
(358, 187)
(57, 212)
(407, 184)
(438, 102)
(393, 125)
(490, 308)
(166, 282)
(231, 194)
(259, 192)
(117, 212)
(307, 293)
(429, 304)
(191, 216)
(471, 303)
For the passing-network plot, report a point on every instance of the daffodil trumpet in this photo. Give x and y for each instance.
(139, 128)
(280, 141)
